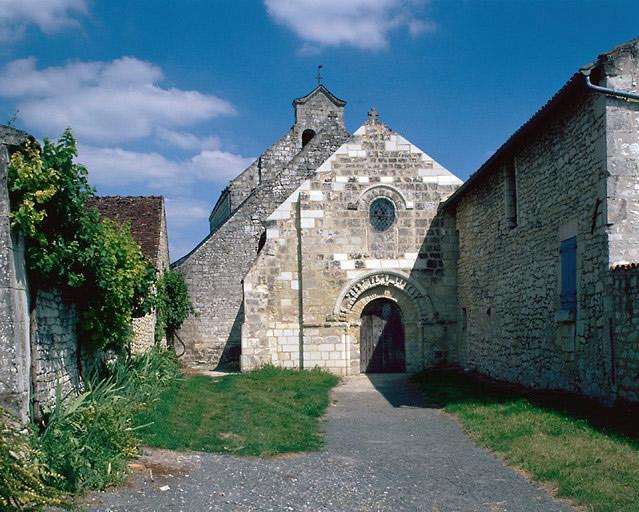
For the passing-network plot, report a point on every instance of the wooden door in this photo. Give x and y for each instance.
(382, 338)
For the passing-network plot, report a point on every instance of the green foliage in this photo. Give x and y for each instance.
(173, 304)
(90, 438)
(48, 198)
(263, 412)
(551, 437)
(67, 244)
(22, 472)
(119, 287)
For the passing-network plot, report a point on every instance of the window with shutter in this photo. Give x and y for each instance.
(568, 295)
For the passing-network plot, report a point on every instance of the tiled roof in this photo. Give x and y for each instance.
(143, 213)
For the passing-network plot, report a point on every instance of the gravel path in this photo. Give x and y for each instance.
(385, 451)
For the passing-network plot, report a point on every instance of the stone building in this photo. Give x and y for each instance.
(214, 270)
(146, 218)
(362, 253)
(548, 232)
(355, 274)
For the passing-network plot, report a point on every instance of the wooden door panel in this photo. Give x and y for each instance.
(382, 338)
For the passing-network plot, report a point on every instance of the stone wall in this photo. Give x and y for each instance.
(56, 365)
(625, 331)
(214, 270)
(621, 71)
(144, 328)
(509, 276)
(51, 357)
(310, 113)
(323, 262)
(14, 310)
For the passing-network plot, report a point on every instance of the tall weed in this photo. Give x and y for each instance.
(88, 439)
(22, 471)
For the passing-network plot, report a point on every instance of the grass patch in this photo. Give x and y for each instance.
(580, 448)
(263, 412)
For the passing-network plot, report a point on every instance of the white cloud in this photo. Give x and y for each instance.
(186, 211)
(120, 167)
(364, 24)
(48, 15)
(104, 102)
(186, 140)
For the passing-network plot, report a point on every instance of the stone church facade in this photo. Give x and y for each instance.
(361, 253)
(363, 228)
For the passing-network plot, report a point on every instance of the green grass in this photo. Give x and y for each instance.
(565, 441)
(264, 412)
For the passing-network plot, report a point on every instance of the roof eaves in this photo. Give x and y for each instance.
(573, 85)
(318, 89)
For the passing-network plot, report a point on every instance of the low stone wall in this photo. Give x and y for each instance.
(56, 364)
(625, 332)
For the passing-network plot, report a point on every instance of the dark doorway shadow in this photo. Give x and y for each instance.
(230, 358)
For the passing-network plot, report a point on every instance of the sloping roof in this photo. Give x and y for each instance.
(144, 214)
(12, 137)
(319, 89)
(570, 91)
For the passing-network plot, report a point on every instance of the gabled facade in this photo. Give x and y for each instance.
(357, 249)
(214, 270)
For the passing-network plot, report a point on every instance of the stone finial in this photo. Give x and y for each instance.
(373, 116)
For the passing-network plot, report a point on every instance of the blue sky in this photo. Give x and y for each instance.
(175, 98)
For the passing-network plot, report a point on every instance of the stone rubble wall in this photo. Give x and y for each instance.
(57, 365)
(143, 333)
(508, 277)
(214, 270)
(320, 243)
(625, 334)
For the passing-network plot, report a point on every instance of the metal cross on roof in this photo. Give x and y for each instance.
(319, 75)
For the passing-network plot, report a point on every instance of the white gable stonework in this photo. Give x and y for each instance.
(323, 261)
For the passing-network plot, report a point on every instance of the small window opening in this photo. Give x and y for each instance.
(510, 180)
(307, 135)
(261, 243)
(464, 319)
(568, 294)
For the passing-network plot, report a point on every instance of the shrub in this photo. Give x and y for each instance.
(69, 245)
(89, 439)
(23, 475)
(173, 304)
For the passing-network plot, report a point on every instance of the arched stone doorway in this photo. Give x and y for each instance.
(382, 346)
(410, 299)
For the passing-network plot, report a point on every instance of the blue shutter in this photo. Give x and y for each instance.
(568, 294)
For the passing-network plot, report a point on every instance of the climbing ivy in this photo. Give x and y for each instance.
(173, 305)
(69, 245)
